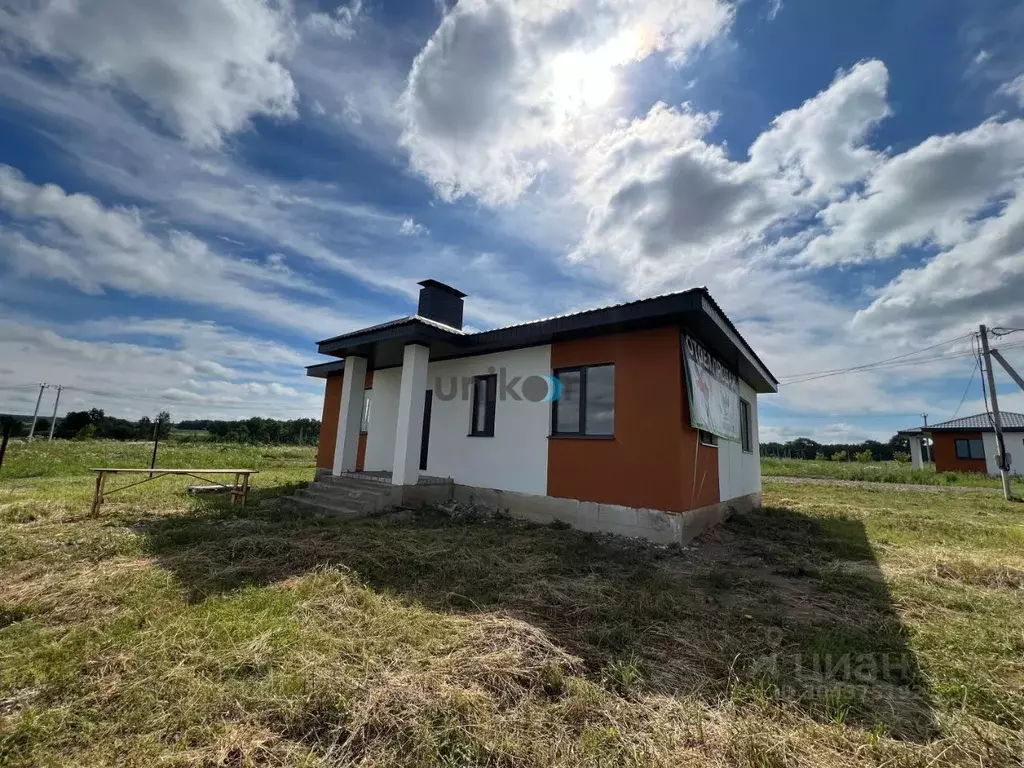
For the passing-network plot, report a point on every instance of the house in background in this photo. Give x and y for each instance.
(638, 418)
(968, 444)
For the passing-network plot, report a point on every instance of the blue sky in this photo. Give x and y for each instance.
(191, 194)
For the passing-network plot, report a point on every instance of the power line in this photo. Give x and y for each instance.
(883, 365)
(877, 362)
(974, 370)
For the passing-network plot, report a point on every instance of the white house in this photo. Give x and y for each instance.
(638, 418)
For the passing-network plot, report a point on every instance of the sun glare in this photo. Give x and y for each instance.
(588, 80)
(582, 81)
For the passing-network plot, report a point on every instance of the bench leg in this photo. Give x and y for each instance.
(97, 499)
(245, 489)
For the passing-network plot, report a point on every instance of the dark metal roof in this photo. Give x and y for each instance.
(323, 370)
(694, 310)
(982, 422)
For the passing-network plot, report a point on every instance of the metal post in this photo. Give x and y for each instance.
(35, 414)
(156, 443)
(996, 419)
(53, 421)
(8, 428)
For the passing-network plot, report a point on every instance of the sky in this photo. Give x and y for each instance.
(193, 193)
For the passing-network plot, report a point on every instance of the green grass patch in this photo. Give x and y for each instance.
(879, 472)
(834, 627)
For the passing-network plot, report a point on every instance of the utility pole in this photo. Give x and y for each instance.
(53, 421)
(924, 440)
(35, 414)
(996, 420)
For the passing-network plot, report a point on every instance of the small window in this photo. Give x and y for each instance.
(586, 402)
(364, 421)
(707, 438)
(485, 395)
(745, 440)
(970, 449)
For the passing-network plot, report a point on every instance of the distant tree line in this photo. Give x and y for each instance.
(94, 424)
(255, 430)
(897, 449)
(91, 424)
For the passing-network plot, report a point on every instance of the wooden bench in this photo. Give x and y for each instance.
(238, 490)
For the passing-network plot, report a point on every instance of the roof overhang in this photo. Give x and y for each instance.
(324, 370)
(693, 311)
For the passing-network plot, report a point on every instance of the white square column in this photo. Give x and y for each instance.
(409, 432)
(346, 444)
(915, 452)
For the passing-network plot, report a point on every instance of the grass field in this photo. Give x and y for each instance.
(836, 627)
(879, 472)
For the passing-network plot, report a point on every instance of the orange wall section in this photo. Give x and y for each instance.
(944, 452)
(329, 423)
(655, 459)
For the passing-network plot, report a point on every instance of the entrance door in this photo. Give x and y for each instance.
(425, 442)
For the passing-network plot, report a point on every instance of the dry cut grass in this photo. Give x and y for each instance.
(833, 628)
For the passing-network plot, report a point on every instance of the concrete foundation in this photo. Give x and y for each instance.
(652, 524)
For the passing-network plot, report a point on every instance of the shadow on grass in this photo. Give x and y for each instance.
(776, 609)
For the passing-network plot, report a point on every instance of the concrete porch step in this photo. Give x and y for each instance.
(338, 499)
(347, 481)
(345, 496)
(350, 492)
(326, 509)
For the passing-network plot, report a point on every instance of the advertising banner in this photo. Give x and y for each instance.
(714, 392)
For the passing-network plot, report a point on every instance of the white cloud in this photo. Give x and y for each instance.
(930, 194)
(76, 239)
(341, 22)
(501, 83)
(191, 369)
(205, 67)
(980, 279)
(1014, 89)
(412, 228)
(663, 201)
(822, 142)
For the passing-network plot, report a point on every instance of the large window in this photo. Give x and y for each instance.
(970, 449)
(586, 404)
(485, 395)
(364, 420)
(745, 439)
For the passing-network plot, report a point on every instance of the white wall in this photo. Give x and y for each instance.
(739, 472)
(380, 438)
(516, 458)
(1014, 442)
